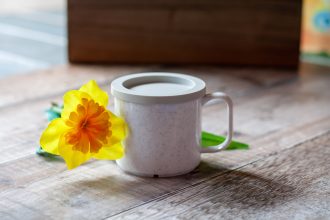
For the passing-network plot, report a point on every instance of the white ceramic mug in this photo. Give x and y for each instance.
(163, 113)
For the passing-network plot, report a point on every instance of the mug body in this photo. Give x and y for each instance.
(162, 139)
(163, 116)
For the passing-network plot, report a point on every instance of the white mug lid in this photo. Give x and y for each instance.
(157, 87)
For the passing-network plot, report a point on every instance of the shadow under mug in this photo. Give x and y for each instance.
(163, 114)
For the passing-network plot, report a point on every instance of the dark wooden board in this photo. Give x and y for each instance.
(253, 32)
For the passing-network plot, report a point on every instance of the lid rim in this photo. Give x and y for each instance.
(120, 91)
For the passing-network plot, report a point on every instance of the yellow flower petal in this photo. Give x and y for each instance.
(118, 128)
(71, 100)
(84, 127)
(114, 149)
(112, 152)
(49, 139)
(95, 92)
(73, 158)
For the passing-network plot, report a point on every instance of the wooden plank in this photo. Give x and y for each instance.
(54, 82)
(293, 184)
(46, 189)
(31, 101)
(94, 187)
(31, 115)
(31, 110)
(231, 32)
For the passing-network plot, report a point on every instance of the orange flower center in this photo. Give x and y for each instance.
(89, 127)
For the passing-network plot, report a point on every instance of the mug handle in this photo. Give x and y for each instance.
(223, 97)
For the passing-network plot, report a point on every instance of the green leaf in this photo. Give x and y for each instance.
(209, 139)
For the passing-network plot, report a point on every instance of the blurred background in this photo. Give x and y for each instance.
(315, 33)
(33, 34)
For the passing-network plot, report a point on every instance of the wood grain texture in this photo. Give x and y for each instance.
(293, 184)
(31, 102)
(275, 114)
(55, 81)
(251, 32)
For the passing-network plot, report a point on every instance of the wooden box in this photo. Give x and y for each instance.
(243, 32)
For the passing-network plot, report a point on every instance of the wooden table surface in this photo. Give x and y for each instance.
(282, 114)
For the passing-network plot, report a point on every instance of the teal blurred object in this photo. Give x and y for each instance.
(321, 21)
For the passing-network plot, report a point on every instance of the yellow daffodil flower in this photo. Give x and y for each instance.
(86, 128)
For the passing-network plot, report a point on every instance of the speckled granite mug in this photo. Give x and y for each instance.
(163, 113)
